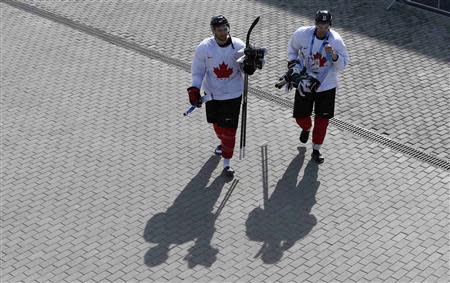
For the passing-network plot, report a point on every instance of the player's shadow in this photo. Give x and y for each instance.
(189, 218)
(286, 216)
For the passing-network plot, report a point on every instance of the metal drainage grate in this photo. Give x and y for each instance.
(366, 134)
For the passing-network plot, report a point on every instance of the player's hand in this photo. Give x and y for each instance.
(330, 52)
(194, 96)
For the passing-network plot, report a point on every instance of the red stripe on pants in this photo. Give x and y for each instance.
(320, 129)
(227, 137)
(305, 123)
(228, 141)
(218, 131)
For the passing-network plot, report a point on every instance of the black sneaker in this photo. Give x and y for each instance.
(317, 157)
(218, 150)
(228, 171)
(304, 136)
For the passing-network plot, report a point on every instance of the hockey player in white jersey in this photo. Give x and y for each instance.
(315, 56)
(216, 69)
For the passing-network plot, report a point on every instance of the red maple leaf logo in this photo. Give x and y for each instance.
(223, 71)
(322, 59)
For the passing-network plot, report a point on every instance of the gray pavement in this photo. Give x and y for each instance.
(397, 81)
(104, 180)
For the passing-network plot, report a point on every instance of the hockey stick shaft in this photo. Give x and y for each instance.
(244, 98)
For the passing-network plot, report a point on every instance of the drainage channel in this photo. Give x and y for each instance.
(342, 125)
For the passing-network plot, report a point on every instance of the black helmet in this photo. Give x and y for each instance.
(323, 17)
(219, 21)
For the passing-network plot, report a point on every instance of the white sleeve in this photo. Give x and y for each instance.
(240, 46)
(198, 68)
(239, 54)
(294, 46)
(341, 50)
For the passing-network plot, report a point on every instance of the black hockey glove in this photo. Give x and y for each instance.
(254, 59)
(292, 63)
(292, 77)
(314, 84)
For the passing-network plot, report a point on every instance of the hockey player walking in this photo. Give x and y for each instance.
(216, 68)
(315, 56)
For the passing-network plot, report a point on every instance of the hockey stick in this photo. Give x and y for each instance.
(204, 98)
(244, 98)
(189, 111)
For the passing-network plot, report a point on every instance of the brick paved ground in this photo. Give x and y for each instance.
(394, 54)
(104, 180)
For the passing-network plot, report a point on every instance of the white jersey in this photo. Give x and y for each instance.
(217, 70)
(314, 57)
